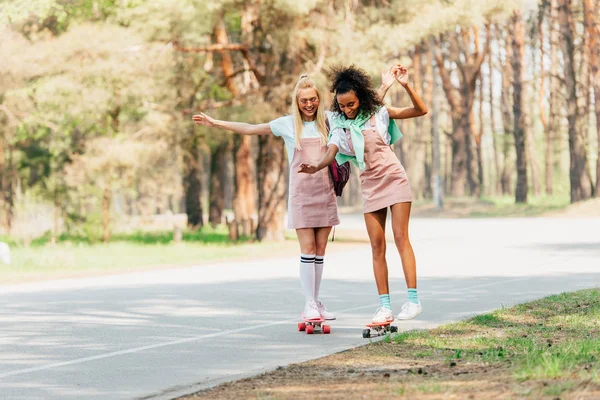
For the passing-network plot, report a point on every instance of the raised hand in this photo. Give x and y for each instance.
(307, 169)
(401, 74)
(203, 119)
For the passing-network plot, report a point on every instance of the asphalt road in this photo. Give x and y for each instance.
(165, 333)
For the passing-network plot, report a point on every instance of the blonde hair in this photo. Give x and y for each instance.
(306, 83)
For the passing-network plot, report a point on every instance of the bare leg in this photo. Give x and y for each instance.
(306, 239)
(400, 218)
(321, 238)
(375, 222)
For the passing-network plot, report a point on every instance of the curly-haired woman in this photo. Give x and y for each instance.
(362, 132)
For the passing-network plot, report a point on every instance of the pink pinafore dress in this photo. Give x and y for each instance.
(384, 181)
(312, 202)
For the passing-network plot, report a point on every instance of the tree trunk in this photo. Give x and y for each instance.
(245, 196)
(244, 202)
(188, 140)
(472, 164)
(222, 38)
(597, 111)
(244, 199)
(498, 172)
(507, 118)
(428, 98)
(552, 134)
(55, 229)
(216, 189)
(9, 197)
(417, 167)
(461, 98)
(592, 23)
(584, 90)
(437, 184)
(541, 97)
(6, 191)
(3, 176)
(272, 169)
(192, 185)
(459, 157)
(478, 137)
(581, 185)
(519, 133)
(106, 202)
(536, 186)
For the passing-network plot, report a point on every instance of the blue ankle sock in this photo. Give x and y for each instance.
(413, 297)
(384, 299)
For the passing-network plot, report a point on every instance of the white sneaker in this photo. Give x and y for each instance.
(311, 311)
(382, 315)
(410, 310)
(323, 311)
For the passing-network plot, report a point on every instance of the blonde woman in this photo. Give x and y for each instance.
(312, 205)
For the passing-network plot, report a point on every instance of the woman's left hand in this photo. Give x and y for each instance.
(401, 74)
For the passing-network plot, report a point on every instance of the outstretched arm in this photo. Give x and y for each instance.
(418, 109)
(325, 161)
(237, 127)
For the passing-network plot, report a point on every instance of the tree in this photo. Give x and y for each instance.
(592, 23)
(217, 182)
(494, 129)
(468, 61)
(507, 115)
(519, 114)
(581, 185)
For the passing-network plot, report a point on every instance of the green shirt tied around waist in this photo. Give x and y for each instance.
(358, 140)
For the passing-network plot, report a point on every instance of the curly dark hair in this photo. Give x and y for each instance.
(346, 79)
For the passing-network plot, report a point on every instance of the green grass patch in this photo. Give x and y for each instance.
(78, 256)
(557, 337)
(205, 235)
(505, 206)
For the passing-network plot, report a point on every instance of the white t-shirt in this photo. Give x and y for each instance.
(340, 138)
(284, 127)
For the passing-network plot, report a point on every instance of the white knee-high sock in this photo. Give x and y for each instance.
(307, 275)
(319, 264)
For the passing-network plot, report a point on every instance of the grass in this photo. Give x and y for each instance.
(491, 207)
(554, 338)
(549, 348)
(506, 207)
(74, 255)
(205, 235)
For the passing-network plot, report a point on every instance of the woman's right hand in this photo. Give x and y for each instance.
(307, 169)
(388, 77)
(203, 119)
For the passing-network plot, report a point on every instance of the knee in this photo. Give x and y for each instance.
(401, 239)
(321, 248)
(308, 249)
(378, 248)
